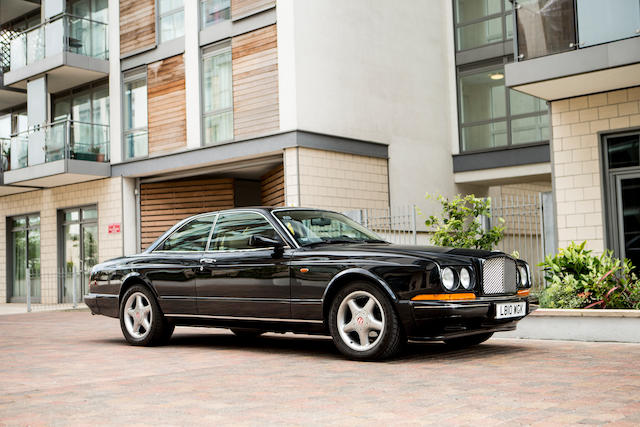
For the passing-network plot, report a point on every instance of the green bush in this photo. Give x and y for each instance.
(578, 279)
(459, 226)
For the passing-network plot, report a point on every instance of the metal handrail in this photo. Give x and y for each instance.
(60, 16)
(54, 123)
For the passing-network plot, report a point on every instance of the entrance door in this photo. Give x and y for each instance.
(628, 206)
(79, 250)
(25, 254)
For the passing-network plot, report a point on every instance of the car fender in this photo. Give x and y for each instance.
(134, 275)
(358, 272)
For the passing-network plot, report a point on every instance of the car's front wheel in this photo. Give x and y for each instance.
(364, 324)
(141, 319)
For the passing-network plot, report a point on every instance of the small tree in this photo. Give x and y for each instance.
(460, 226)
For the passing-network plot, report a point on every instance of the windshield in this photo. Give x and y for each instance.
(309, 227)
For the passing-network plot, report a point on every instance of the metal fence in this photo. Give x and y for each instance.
(63, 290)
(397, 225)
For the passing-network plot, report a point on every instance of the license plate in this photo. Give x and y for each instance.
(511, 309)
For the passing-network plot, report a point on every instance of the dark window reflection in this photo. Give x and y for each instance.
(630, 189)
(624, 151)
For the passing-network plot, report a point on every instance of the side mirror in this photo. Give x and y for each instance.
(259, 241)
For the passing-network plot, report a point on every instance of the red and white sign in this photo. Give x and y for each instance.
(114, 228)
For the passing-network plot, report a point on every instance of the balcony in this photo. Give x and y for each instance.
(70, 49)
(60, 153)
(6, 190)
(568, 48)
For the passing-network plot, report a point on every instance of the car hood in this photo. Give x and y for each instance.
(438, 252)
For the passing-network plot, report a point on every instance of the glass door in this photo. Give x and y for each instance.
(628, 204)
(80, 251)
(25, 253)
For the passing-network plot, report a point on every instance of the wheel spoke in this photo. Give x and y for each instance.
(146, 310)
(138, 301)
(363, 335)
(353, 307)
(131, 312)
(146, 324)
(368, 307)
(349, 327)
(375, 324)
(136, 325)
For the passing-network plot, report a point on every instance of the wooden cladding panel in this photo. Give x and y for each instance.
(255, 82)
(137, 25)
(166, 105)
(162, 204)
(272, 187)
(247, 7)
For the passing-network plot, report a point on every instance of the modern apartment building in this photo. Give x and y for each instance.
(118, 119)
(583, 57)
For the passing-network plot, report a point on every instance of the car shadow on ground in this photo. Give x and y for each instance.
(322, 347)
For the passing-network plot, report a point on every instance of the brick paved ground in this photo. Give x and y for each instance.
(72, 368)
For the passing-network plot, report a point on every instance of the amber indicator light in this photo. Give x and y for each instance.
(523, 292)
(304, 270)
(443, 297)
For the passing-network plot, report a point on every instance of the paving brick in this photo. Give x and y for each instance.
(75, 369)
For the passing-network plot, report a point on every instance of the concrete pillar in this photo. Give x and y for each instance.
(37, 116)
(192, 73)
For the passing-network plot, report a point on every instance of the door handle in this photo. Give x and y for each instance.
(206, 261)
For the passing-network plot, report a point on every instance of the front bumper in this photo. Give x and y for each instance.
(439, 320)
(104, 304)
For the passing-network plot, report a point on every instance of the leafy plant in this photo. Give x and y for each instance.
(459, 225)
(578, 279)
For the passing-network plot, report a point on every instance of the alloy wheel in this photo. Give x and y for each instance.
(138, 315)
(360, 320)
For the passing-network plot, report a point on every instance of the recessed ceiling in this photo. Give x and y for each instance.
(11, 9)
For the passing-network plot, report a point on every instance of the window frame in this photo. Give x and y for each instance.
(178, 227)
(484, 67)
(10, 229)
(201, 15)
(209, 250)
(160, 16)
(504, 14)
(127, 77)
(208, 52)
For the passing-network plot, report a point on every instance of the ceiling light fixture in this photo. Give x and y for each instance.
(496, 76)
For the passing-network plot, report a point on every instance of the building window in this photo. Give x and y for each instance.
(621, 166)
(79, 237)
(212, 11)
(492, 116)
(24, 234)
(170, 19)
(80, 120)
(217, 95)
(482, 22)
(135, 115)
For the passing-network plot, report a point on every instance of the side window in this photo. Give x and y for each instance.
(191, 237)
(232, 231)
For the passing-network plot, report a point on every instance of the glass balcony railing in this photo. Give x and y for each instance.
(545, 27)
(66, 139)
(5, 150)
(65, 33)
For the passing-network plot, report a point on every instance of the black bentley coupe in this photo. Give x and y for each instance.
(256, 270)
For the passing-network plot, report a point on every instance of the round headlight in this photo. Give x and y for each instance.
(448, 279)
(465, 278)
(523, 275)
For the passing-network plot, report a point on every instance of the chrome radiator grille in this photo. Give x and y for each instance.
(499, 276)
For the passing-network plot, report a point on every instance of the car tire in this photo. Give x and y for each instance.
(141, 320)
(247, 332)
(468, 341)
(363, 323)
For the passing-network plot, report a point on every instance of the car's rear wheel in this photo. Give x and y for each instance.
(468, 341)
(247, 332)
(364, 324)
(141, 319)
